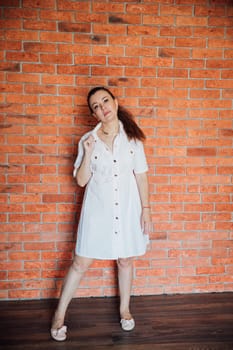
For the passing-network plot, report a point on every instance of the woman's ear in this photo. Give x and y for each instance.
(116, 103)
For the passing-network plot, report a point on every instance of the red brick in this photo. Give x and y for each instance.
(142, 8)
(158, 20)
(58, 198)
(198, 207)
(39, 25)
(176, 31)
(209, 32)
(194, 42)
(10, 45)
(191, 21)
(207, 53)
(29, 99)
(24, 294)
(158, 62)
(228, 54)
(19, 12)
(22, 35)
(109, 28)
(196, 226)
(186, 217)
(38, 68)
(23, 78)
(205, 74)
(224, 207)
(209, 11)
(10, 285)
(49, 4)
(156, 82)
(220, 21)
(201, 170)
(225, 189)
(23, 275)
(10, 24)
(225, 170)
(212, 63)
(24, 217)
(201, 152)
(185, 63)
(176, 10)
(59, 79)
(55, 37)
(142, 30)
(220, 43)
(224, 226)
(73, 27)
(39, 47)
(193, 280)
(22, 159)
(56, 15)
(11, 208)
(185, 198)
(154, 272)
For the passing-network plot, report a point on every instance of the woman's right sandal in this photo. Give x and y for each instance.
(127, 325)
(59, 334)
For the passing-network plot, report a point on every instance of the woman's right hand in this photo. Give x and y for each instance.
(88, 145)
(84, 172)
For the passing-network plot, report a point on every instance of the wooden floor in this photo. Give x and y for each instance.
(181, 322)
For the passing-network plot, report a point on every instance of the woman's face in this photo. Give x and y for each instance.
(103, 106)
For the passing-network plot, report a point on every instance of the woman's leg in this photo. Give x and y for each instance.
(77, 269)
(125, 278)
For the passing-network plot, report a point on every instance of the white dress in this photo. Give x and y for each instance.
(109, 226)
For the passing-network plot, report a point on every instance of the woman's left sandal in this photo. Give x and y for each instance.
(59, 334)
(127, 325)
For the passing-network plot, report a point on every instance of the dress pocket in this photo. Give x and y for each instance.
(101, 168)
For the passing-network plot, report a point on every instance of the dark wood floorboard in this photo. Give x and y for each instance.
(176, 322)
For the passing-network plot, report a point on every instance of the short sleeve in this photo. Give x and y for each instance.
(140, 162)
(79, 157)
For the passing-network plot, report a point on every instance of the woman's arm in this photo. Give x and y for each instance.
(83, 173)
(143, 189)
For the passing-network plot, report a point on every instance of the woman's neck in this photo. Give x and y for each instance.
(110, 129)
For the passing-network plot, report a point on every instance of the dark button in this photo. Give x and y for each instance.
(115, 175)
(116, 232)
(116, 218)
(116, 203)
(114, 160)
(95, 157)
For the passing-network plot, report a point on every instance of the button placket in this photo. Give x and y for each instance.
(116, 206)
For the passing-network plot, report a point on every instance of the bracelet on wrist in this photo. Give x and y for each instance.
(146, 207)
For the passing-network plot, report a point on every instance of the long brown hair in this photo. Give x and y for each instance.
(131, 128)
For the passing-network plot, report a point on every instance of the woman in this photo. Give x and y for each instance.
(115, 216)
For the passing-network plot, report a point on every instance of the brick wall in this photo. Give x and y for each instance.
(171, 63)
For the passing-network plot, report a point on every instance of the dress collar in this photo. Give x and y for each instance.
(98, 126)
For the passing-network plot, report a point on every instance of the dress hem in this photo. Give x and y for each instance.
(111, 258)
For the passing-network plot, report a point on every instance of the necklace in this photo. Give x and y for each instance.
(108, 133)
(104, 132)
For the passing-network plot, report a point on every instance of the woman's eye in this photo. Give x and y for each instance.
(106, 100)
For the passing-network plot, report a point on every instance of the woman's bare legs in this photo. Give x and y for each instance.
(125, 278)
(71, 282)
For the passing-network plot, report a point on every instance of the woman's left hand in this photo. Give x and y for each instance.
(146, 221)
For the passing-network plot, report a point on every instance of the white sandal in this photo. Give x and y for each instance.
(59, 334)
(127, 325)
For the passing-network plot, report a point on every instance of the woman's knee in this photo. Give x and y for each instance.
(124, 262)
(81, 264)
